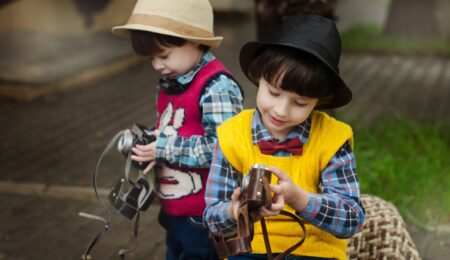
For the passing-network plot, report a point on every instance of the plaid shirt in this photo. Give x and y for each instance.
(220, 100)
(337, 209)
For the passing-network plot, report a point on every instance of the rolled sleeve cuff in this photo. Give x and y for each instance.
(161, 142)
(310, 212)
(228, 225)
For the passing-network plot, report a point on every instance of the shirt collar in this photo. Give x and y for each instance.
(260, 132)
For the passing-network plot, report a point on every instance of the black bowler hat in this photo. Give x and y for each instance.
(313, 34)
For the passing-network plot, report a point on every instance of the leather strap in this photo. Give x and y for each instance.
(94, 184)
(266, 185)
(242, 242)
(139, 206)
(293, 247)
(266, 239)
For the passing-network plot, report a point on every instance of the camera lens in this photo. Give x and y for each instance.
(125, 143)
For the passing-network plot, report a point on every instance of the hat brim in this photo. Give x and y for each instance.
(251, 50)
(123, 31)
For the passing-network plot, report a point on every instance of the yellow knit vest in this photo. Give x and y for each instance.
(326, 136)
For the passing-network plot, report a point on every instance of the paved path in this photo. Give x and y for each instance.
(415, 88)
(49, 148)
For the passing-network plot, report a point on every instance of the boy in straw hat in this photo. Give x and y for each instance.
(309, 153)
(196, 94)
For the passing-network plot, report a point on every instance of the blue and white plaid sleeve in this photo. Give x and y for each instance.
(222, 181)
(221, 100)
(338, 209)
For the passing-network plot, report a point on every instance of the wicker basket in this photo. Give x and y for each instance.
(384, 234)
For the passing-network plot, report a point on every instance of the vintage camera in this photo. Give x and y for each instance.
(138, 135)
(129, 197)
(255, 193)
(255, 190)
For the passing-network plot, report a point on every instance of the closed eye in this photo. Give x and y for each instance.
(300, 104)
(273, 93)
(161, 57)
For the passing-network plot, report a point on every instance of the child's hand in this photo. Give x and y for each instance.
(276, 207)
(235, 204)
(145, 153)
(293, 195)
(155, 132)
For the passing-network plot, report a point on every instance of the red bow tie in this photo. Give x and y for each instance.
(294, 146)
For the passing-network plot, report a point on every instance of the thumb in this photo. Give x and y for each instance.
(236, 194)
(279, 173)
(275, 188)
(149, 167)
(156, 132)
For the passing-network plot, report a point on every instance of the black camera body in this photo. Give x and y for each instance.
(128, 198)
(138, 135)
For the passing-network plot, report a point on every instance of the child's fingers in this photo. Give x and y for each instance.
(275, 208)
(282, 176)
(143, 148)
(279, 173)
(155, 132)
(236, 194)
(140, 152)
(234, 205)
(140, 158)
(275, 188)
(143, 151)
(149, 167)
(264, 212)
(277, 203)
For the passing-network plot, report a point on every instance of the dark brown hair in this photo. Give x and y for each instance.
(149, 44)
(294, 71)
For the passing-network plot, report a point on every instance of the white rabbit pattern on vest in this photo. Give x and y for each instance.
(173, 183)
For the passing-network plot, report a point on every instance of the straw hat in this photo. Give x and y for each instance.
(188, 19)
(313, 34)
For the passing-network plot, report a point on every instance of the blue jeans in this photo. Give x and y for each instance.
(264, 257)
(186, 239)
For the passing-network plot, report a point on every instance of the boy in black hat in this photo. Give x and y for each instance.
(309, 153)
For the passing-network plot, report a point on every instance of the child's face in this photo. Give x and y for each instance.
(282, 110)
(175, 61)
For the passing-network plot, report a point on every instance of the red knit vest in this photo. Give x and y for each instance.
(181, 189)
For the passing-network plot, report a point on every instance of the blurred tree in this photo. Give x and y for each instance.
(418, 18)
(271, 13)
(88, 8)
(4, 2)
(411, 18)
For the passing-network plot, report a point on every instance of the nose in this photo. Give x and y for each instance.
(157, 64)
(281, 108)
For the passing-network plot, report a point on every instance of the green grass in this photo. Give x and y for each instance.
(369, 38)
(408, 165)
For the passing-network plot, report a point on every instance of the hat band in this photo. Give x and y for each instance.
(170, 24)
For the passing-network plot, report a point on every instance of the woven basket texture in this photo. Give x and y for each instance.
(384, 234)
